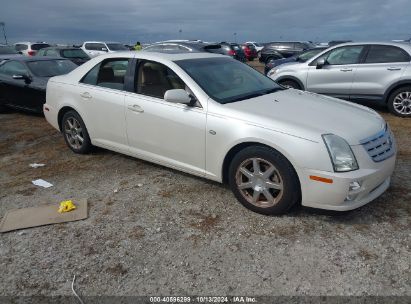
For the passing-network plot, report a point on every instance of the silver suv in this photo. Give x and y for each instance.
(355, 71)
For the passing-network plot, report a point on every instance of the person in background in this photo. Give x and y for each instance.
(137, 47)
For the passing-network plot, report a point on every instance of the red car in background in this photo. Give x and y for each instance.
(249, 51)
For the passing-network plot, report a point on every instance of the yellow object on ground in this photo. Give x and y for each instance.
(66, 206)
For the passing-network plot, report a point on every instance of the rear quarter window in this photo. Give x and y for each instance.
(38, 46)
(386, 54)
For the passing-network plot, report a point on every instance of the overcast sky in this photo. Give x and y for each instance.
(128, 21)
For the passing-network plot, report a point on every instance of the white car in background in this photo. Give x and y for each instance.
(96, 48)
(258, 46)
(30, 48)
(212, 116)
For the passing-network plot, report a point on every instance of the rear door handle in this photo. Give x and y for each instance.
(135, 108)
(393, 69)
(86, 95)
(346, 70)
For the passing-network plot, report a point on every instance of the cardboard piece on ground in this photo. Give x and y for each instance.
(42, 215)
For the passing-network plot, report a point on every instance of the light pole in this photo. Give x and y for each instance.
(235, 37)
(2, 24)
(180, 31)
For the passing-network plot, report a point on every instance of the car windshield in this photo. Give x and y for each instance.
(227, 80)
(50, 68)
(74, 53)
(258, 44)
(116, 47)
(309, 54)
(5, 50)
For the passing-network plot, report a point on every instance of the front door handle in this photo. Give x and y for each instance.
(393, 69)
(86, 95)
(135, 108)
(346, 70)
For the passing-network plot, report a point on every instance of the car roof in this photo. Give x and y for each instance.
(159, 55)
(35, 58)
(60, 47)
(101, 42)
(404, 45)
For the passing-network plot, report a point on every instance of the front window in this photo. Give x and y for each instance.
(74, 53)
(154, 79)
(226, 80)
(342, 55)
(50, 68)
(116, 47)
(309, 54)
(13, 68)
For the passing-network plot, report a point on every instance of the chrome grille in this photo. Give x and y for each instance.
(379, 146)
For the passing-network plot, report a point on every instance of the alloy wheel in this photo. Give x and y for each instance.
(74, 133)
(402, 103)
(259, 182)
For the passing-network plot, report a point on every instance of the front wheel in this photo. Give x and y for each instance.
(290, 84)
(264, 181)
(75, 133)
(399, 102)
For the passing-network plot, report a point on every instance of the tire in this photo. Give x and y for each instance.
(291, 84)
(74, 130)
(399, 102)
(280, 181)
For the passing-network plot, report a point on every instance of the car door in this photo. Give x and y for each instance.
(167, 133)
(15, 92)
(383, 66)
(101, 100)
(335, 77)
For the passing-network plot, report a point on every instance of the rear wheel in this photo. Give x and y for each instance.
(290, 84)
(75, 133)
(399, 102)
(264, 181)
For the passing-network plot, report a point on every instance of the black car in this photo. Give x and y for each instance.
(337, 42)
(302, 57)
(7, 52)
(23, 80)
(76, 55)
(183, 46)
(277, 50)
(234, 50)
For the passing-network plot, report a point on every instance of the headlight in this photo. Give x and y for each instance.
(272, 72)
(341, 155)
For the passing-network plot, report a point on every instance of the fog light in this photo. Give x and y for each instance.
(354, 186)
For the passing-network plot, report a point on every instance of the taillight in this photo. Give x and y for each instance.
(31, 53)
(231, 53)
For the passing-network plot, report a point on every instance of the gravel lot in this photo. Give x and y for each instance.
(156, 231)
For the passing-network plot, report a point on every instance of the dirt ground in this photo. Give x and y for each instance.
(156, 231)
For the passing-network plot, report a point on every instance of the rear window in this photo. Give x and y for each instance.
(21, 47)
(38, 46)
(94, 46)
(50, 68)
(5, 50)
(117, 47)
(74, 53)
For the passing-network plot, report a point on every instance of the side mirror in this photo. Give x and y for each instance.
(26, 78)
(320, 63)
(104, 49)
(178, 96)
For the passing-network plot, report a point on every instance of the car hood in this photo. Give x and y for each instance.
(308, 115)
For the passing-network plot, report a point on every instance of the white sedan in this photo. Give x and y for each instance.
(212, 116)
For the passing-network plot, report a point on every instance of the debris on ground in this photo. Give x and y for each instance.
(42, 183)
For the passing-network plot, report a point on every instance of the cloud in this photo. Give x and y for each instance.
(211, 20)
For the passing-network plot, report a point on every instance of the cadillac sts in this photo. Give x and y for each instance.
(215, 117)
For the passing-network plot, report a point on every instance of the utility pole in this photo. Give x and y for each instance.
(2, 24)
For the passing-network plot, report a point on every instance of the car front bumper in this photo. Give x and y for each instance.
(372, 181)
